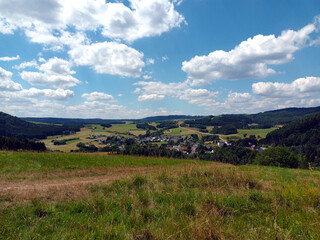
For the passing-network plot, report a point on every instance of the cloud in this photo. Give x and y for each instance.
(55, 73)
(15, 92)
(6, 28)
(109, 57)
(144, 18)
(159, 88)
(58, 94)
(177, 2)
(146, 77)
(57, 66)
(164, 59)
(302, 87)
(251, 58)
(150, 97)
(6, 59)
(6, 84)
(87, 109)
(41, 20)
(23, 65)
(150, 61)
(98, 96)
(156, 91)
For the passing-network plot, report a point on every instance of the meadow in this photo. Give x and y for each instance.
(176, 199)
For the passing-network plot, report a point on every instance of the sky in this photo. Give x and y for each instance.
(125, 59)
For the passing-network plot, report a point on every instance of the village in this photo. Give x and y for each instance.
(186, 144)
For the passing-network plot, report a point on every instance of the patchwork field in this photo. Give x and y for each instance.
(130, 130)
(92, 196)
(125, 130)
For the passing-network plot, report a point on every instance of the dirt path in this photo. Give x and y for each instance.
(69, 187)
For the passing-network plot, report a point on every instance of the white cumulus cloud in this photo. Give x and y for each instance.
(251, 58)
(150, 97)
(40, 19)
(6, 84)
(109, 57)
(302, 87)
(98, 96)
(156, 91)
(6, 59)
(55, 73)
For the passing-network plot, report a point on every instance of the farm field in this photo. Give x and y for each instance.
(125, 130)
(83, 136)
(257, 132)
(87, 196)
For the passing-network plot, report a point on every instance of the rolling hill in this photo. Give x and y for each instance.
(11, 126)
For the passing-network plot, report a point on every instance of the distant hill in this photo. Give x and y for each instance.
(110, 121)
(167, 118)
(11, 126)
(264, 119)
(302, 135)
(282, 116)
(305, 131)
(73, 120)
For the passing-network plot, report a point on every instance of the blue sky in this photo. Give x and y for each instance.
(138, 58)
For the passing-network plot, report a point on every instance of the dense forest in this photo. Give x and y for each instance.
(302, 136)
(14, 144)
(11, 126)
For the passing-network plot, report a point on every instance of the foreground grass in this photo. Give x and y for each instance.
(198, 202)
(13, 164)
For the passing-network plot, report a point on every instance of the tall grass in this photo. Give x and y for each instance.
(201, 202)
(12, 164)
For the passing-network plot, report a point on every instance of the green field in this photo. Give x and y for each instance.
(262, 133)
(176, 131)
(19, 165)
(125, 130)
(178, 200)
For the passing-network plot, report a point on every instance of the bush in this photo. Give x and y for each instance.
(280, 156)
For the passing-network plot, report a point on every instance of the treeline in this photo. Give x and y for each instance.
(14, 144)
(11, 126)
(146, 126)
(225, 129)
(63, 141)
(166, 125)
(236, 155)
(277, 156)
(237, 120)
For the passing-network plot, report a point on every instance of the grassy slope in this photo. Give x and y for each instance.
(12, 164)
(199, 202)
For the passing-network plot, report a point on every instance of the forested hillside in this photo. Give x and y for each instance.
(300, 132)
(264, 120)
(301, 135)
(11, 126)
(283, 116)
(14, 144)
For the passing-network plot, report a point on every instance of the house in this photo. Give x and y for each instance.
(221, 144)
(254, 147)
